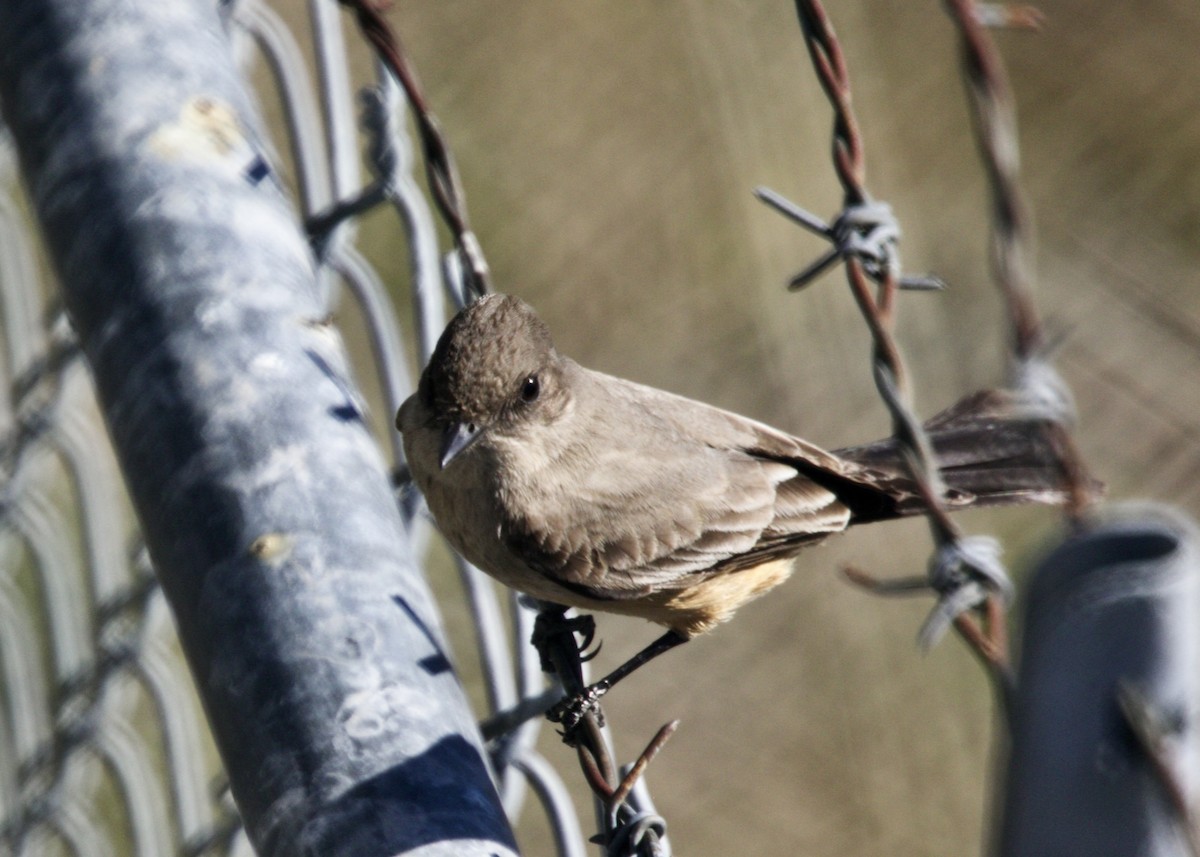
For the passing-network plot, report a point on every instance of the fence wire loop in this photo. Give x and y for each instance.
(380, 122)
(964, 572)
(638, 835)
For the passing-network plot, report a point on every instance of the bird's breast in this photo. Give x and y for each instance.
(474, 501)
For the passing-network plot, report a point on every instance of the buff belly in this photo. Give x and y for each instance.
(689, 611)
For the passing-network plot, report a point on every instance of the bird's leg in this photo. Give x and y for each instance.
(552, 630)
(571, 710)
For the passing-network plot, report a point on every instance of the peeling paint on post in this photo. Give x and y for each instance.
(310, 632)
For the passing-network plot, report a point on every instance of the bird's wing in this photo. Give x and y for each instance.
(738, 498)
(877, 487)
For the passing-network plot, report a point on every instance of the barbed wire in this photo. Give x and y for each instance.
(1034, 378)
(965, 573)
(444, 184)
(628, 829)
(35, 393)
(1037, 383)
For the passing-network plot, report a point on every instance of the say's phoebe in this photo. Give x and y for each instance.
(591, 491)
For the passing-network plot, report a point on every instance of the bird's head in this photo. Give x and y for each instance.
(495, 370)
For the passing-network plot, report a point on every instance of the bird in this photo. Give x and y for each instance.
(591, 491)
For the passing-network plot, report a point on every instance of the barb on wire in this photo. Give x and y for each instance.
(864, 238)
(964, 571)
(441, 172)
(627, 828)
(1005, 16)
(868, 232)
(1034, 378)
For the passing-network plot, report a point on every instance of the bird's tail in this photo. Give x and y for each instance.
(990, 452)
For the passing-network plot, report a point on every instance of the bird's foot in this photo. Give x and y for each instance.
(570, 711)
(550, 627)
(564, 644)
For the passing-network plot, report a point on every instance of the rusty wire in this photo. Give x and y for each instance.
(440, 171)
(1152, 732)
(1035, 378)
(964, 571)
(627, 828)
(1011, 250)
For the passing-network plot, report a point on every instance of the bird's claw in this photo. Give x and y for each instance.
(550, 626)
(564, 644)
(570, 711)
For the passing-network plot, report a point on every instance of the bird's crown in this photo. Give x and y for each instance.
(483, 356)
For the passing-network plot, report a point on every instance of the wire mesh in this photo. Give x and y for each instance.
(97, 700)
(105, 747)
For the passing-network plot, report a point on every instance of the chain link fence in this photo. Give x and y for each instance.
(105, 746)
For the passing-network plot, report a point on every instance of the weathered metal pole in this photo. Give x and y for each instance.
(1113, 622)
(310, 632)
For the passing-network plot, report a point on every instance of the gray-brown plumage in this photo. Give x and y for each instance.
(591, 491)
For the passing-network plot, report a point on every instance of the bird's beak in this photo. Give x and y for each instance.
(456, 437)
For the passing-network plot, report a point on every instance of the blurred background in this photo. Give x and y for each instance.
(609, 151)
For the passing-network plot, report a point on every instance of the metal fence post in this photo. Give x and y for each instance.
(1112, 612)
(310, 633)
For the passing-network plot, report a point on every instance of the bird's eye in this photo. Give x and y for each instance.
(530, 389)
